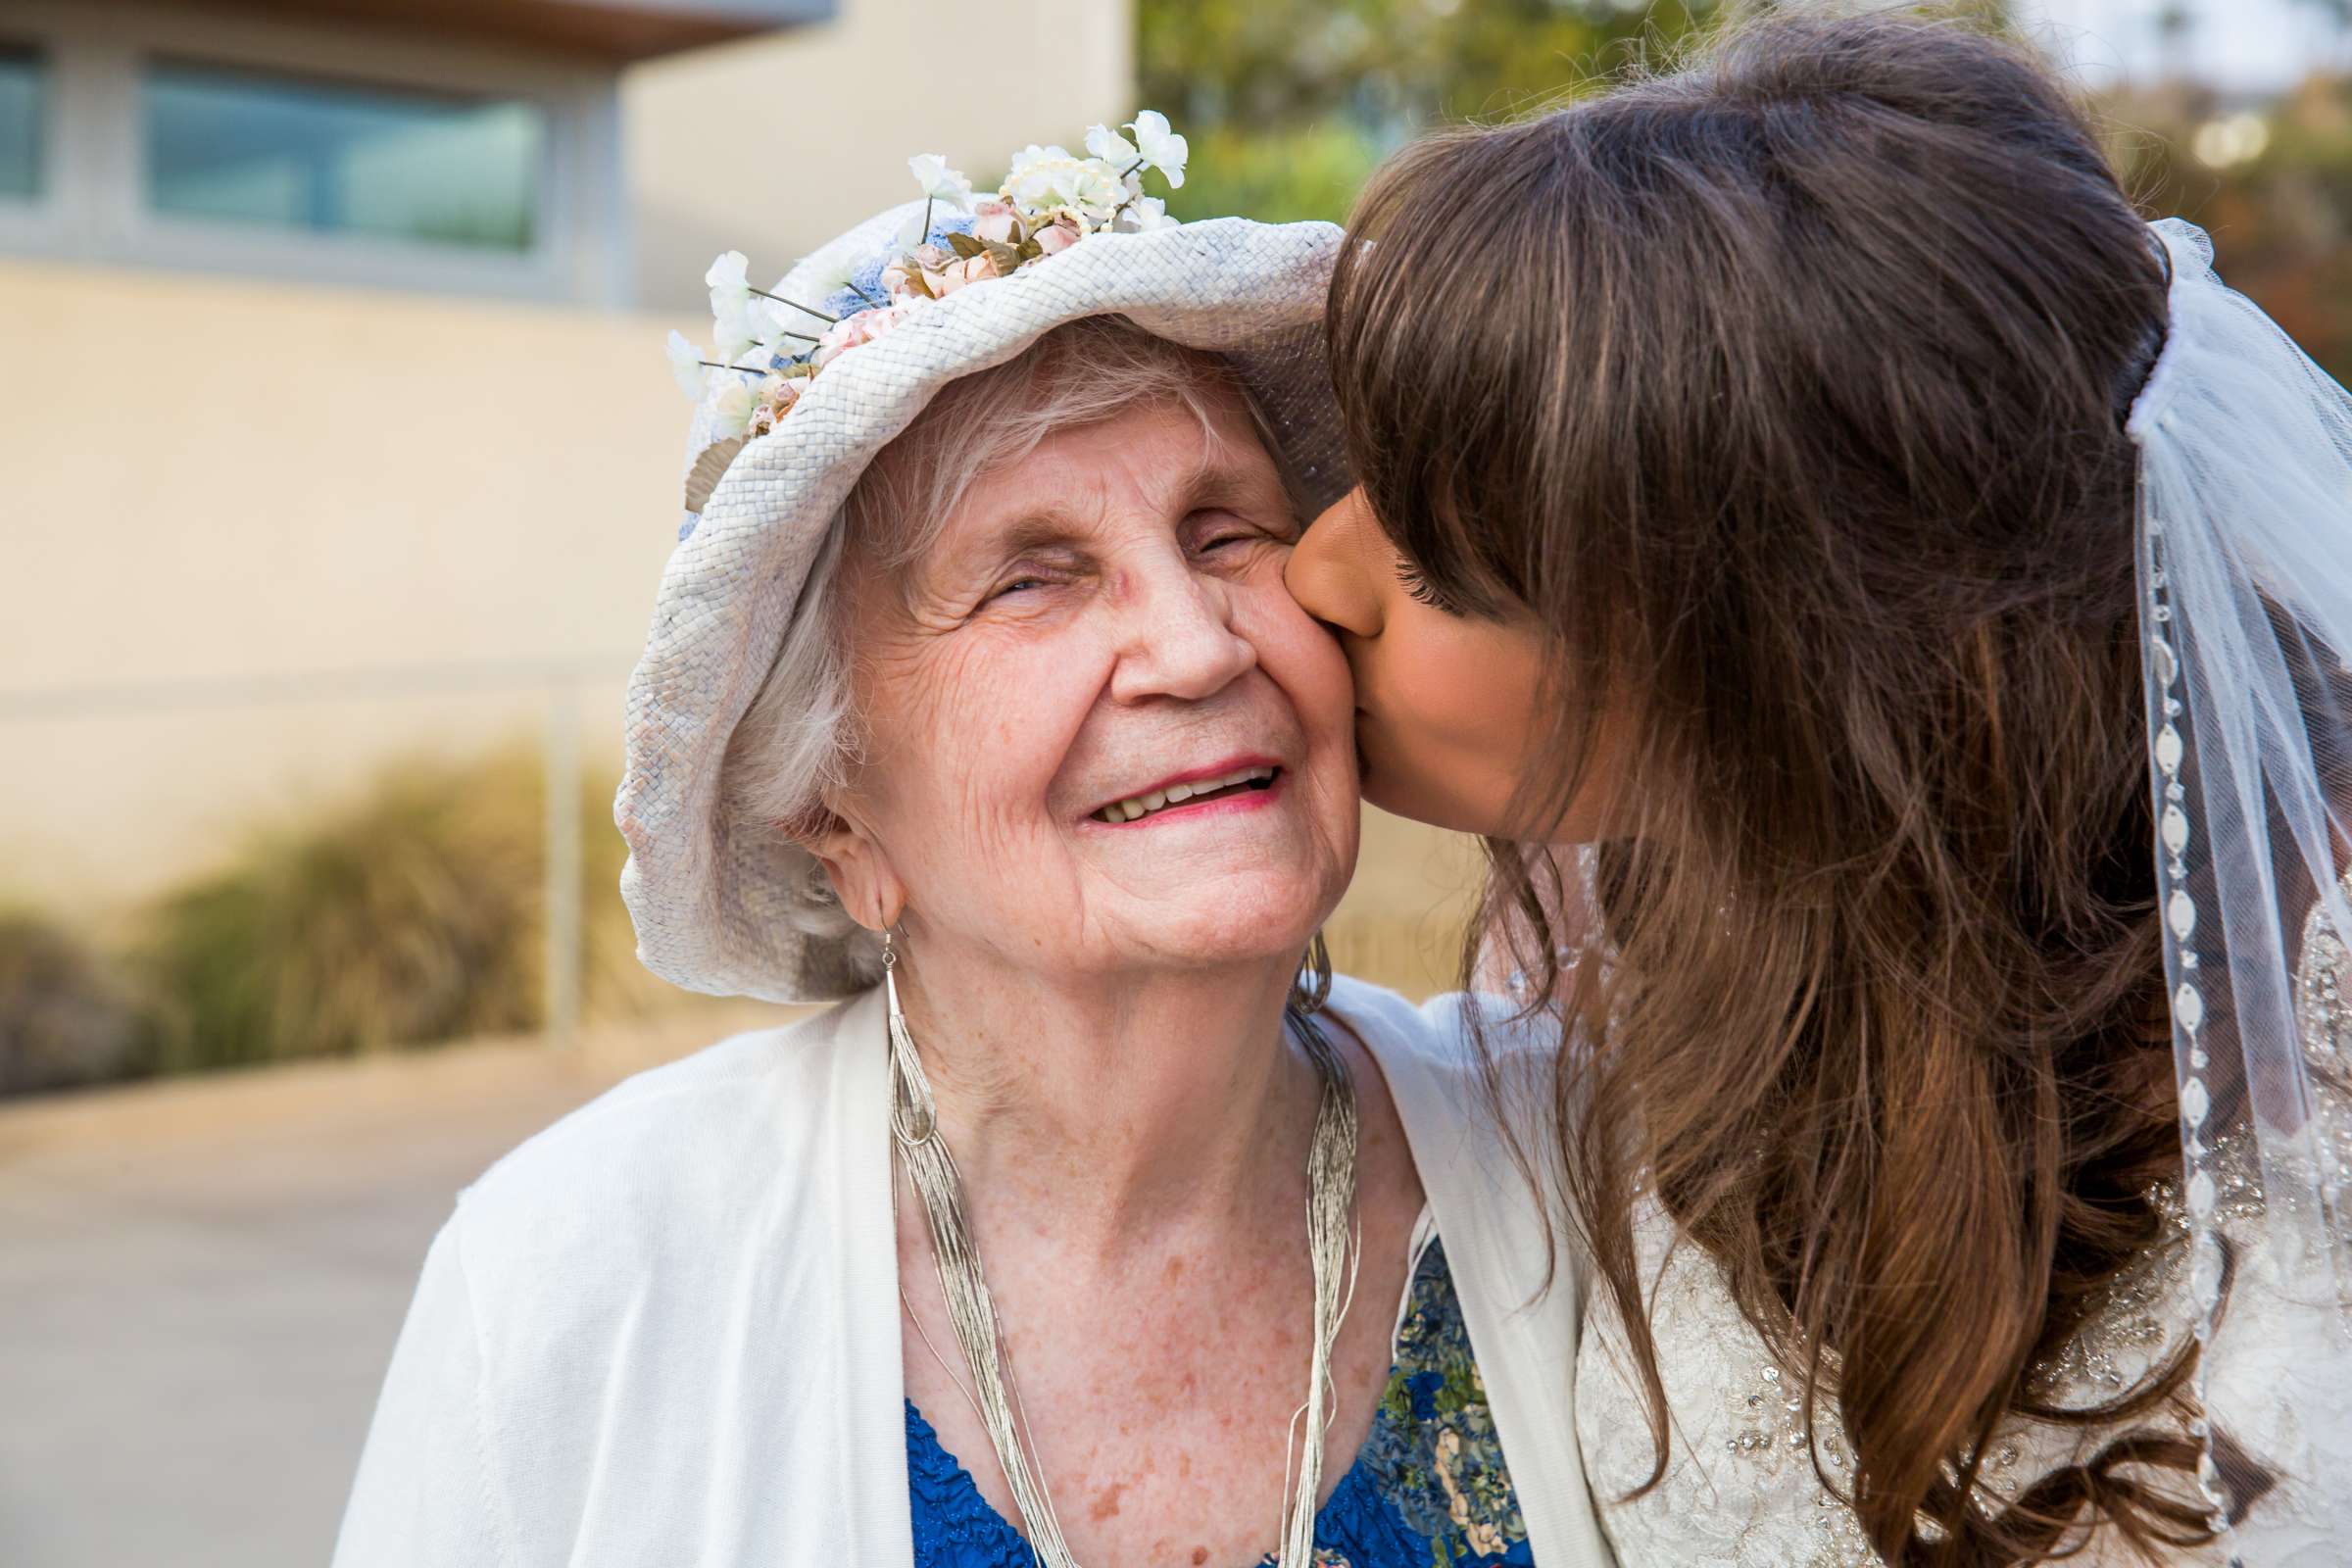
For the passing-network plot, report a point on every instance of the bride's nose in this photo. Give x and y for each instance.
(1325, 572)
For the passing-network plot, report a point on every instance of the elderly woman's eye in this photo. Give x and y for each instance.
(1018, 585)
(1224, 530)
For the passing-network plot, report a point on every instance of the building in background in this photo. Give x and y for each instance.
(333, 424)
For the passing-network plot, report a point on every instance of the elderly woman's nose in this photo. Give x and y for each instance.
(1181, 639)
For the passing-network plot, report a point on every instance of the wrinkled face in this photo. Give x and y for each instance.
(1446, 717)
(1101, 734)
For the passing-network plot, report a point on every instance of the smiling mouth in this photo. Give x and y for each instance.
(1241, 781)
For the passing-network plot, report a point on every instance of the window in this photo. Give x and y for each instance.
(327, 157)
(20, 113)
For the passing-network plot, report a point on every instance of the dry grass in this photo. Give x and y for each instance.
(408, 914)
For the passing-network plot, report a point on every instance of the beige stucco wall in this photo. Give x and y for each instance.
(213, 489)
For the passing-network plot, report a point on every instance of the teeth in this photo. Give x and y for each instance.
(1144, 805)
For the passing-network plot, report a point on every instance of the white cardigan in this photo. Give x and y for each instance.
(666, 1331)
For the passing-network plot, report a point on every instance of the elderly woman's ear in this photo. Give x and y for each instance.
(863, 876)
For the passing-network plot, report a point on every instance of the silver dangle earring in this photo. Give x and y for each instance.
(914, 1116)
(1312, 987)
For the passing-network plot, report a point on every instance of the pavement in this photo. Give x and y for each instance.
(201, 1280)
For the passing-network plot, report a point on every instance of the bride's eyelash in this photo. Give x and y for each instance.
(1421, 590)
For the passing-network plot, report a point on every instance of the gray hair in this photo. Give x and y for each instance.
(801, 739)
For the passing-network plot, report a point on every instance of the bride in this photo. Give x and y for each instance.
(1921, 594)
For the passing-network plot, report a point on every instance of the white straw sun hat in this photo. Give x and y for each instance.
(727, 904)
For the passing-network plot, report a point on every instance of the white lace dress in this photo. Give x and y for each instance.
(1740, 1488)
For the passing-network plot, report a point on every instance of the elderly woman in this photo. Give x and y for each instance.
(1077, 1231)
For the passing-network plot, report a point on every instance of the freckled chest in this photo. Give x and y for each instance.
(1172, 1386)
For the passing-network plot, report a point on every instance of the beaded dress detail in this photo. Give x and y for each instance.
(1428, 1489)
(1740, 1487)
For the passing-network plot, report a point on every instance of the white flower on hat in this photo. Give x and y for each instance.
(727, 280)
(686, 365)
(1143, 215)
(740, 314)
(1033, 154)
(831, 276)
(732, 403)
(1112, 148)
(1048, 180)
(940, 183)
(1159, 147)
(753, 323)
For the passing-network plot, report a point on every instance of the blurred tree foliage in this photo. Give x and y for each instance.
(2277, 200)
(1288, 104)
(1267, 62)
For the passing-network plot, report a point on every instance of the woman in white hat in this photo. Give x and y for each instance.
(1089, 1227)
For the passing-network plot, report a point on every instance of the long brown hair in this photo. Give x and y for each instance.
(1786, 390)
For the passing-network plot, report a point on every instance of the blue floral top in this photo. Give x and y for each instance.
(1429, 1488)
